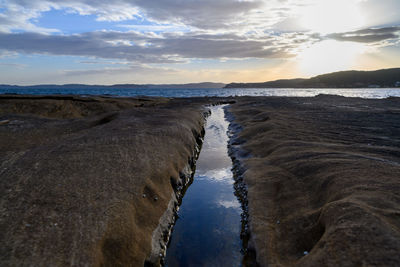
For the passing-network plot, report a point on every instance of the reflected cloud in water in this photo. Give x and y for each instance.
(230, 204)
(219, 175)
(209, 224)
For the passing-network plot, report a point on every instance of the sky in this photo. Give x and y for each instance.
(184, 41)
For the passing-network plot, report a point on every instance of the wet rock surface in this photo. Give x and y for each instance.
(92, 181)
(322, 178)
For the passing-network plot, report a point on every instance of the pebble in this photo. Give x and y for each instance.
(144, 195)
(155, 198)
(305, 253)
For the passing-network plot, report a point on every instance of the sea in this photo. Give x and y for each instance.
(222, 92)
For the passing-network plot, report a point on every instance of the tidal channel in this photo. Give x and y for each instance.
(207, 231)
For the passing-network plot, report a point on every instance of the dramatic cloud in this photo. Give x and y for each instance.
(144, 48)
(368, 35)
(205, 14)
(104, 10)
(142, 36)
(233, 15)
(202, 14)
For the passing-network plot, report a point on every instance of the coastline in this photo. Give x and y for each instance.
(97, 180)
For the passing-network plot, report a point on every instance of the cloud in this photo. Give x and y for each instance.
(379, 13)
(205, 14)
(142, 69)
(12, 65)
(106, 62)
(152, 32)
(372, 35)
(227, 15)
(15, 17)
(152, 28)
(145, 48)
(237, 16)
(7, 54)
(104, 10)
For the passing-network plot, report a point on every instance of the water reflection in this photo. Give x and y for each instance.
(207, 232)
(229, 204)
(221, 175)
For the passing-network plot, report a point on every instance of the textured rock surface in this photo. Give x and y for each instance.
(87, 181)
(323, 179)
(90, 181)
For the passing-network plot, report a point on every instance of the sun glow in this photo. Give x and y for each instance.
(328, 16)
(329, 56)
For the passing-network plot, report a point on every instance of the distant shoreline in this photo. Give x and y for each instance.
(384, 78)
(205, 85)
(94, 87)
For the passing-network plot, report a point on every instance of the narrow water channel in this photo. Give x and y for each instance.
(207, 232)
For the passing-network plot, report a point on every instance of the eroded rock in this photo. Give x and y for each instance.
(85, 181)
(322, 179)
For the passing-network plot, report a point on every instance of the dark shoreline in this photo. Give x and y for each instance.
(311, 138)
(237, 154)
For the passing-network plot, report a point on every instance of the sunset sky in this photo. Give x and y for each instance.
(181, 41)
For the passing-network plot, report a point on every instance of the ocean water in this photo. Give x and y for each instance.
(168, 92)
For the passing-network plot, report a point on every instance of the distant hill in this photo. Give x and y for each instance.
(341, 79)
(118, 86)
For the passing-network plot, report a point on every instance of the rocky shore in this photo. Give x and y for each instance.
(92, 181)
(322, 177)
(95, 181)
